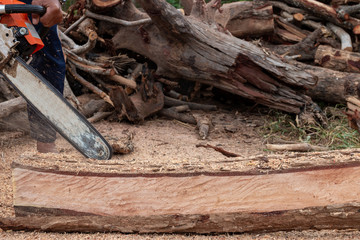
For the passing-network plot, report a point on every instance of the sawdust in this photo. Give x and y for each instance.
(161, 145)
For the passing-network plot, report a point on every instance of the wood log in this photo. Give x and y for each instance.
(195, 106)
(93, 106)
(10, 106)
(353, 112)
(287, 8)
(172, 114)
(5, 91)
(225, 62)
(336, 59)
(345, 11)
(99, 116)
(294, 34)
(333, 86)
(326, 12)
(345, 38)
(135, 108)
(303, 50)
(321, 197)
(299, 147)
(244, 18)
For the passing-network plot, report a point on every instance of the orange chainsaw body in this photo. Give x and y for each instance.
(22, 20)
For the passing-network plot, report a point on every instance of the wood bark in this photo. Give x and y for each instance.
(326, 12)
(11, 106)
(164, 202)
(333, 86)
(185, 47)
(336, 59)
(246, 19)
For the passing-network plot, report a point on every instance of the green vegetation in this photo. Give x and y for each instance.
(337, 135)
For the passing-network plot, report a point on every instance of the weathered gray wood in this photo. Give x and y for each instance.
(245, 18)
(10, 106)
(188, 48)
(326, 12)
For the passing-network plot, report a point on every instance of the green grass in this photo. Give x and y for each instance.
(281, 127)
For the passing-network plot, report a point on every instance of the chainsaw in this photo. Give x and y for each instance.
(18, 40)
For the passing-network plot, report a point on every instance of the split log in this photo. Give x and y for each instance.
(336, 59)
(323, 197)
(205, 55)
(291, 32)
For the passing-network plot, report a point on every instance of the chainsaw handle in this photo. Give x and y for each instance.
(26, 8)
(22, 8)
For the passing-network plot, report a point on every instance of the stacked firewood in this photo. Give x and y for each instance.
(133, 59)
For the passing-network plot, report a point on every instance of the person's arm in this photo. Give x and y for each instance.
(53, 13)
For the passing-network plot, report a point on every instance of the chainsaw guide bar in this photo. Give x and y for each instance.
(60, 114)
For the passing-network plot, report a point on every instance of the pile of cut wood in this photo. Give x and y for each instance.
(139, 58)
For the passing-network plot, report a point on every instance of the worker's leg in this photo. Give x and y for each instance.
(50, 63)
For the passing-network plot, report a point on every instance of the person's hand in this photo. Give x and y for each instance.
(53, 13)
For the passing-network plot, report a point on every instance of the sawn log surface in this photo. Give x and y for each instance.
(203, 202)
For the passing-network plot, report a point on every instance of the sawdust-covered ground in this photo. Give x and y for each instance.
(164, 145)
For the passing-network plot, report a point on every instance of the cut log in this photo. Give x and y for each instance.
(322, 197)
(337, 59)
(333, 86)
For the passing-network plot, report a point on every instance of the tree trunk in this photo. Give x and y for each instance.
(192, 48)
(317, 197)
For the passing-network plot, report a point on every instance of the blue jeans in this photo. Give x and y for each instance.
(50, 63)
